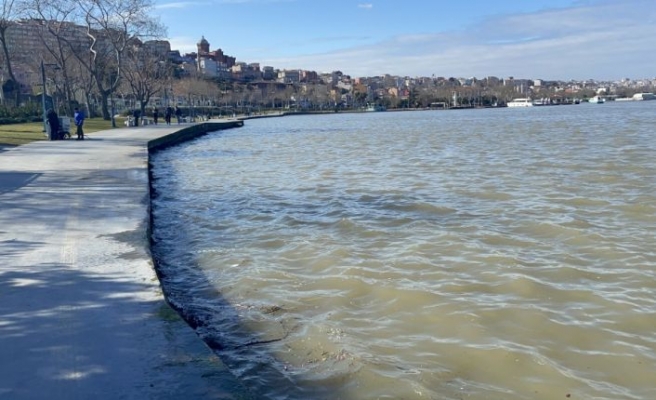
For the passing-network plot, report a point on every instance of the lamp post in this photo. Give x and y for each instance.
(43, 92)
(113, 110)
(43, 96)
(2, 82)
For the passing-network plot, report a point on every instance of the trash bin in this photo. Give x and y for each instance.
(65, 124)
(48, 131)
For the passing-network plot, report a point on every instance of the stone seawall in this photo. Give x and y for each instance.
(191, 132)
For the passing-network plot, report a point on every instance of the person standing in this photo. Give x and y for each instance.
(155, 115)
(78, 117)
(136, 114)
(178, 114)
(167, 115)
(53, 122)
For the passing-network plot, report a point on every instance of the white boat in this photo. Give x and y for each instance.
(644, 96)
(638, 97)
(597, 100)
(373, 107)
(523, 102)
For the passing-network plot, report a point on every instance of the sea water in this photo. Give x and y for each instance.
(477, 254)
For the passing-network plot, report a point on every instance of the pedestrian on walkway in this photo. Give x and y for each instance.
(167, 115)
(155, 115)
(53, 122)
(78, 117)
(136, 114)
(178, 114)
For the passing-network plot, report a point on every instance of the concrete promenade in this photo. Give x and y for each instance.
(82, 315)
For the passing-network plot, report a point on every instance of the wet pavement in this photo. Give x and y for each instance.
(82, 314)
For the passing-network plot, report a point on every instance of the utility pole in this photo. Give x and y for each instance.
(43, 95)
(113, 111)
(2, 82)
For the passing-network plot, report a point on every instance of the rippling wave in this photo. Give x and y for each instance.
(488, 254)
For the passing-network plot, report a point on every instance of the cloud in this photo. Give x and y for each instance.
(331, 39)
(187, 4)
(179, 5)
(367, 6)
(252, 1)
(573, 43)
(184, 44)
(235, 1)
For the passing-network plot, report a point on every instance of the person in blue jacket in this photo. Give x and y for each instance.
(78, 117)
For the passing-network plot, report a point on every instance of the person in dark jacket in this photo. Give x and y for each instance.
(167, 115)
(155, 115)
(53, 121)
(136, 114)
(178, 114)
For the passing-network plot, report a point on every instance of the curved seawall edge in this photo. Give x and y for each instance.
(236, 389)
(190, 133)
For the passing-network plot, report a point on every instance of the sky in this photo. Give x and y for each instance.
(525, 39)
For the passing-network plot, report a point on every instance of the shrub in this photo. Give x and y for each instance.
(29, 112)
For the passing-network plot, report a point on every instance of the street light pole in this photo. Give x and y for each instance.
(43, 95)
(2, 90)
(113, 112)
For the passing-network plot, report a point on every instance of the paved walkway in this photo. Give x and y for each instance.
(82, 315)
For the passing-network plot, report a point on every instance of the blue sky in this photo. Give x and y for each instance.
(545, 39)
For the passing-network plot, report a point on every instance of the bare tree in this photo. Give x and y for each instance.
(11, 12)
(257, 97)
(57, 29)
(146, 72)
(289, 94)
(82, 82)
(112, 25)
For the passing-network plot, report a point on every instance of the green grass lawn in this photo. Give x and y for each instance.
(18, 134)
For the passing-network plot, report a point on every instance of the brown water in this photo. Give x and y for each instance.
(487, 254)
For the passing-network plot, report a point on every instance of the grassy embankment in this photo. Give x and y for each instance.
(18, 134)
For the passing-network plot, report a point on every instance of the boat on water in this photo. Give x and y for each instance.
(523, 102)
(554, 102)
(638, 97)
(597, 100)
(376, 107)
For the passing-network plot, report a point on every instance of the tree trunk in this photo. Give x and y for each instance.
(104, 104)
(10, 71)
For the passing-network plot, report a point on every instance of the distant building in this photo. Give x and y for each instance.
(222, 71)
(520, 85)
(327, 79)
(204, 53)
(175, 57)
(243, 72)
(159, 47)
(465, 82)
(289, 76)
(27, 41)
(208, 67)
(492, 81)
(268, 73)
(344, 86)
(309, 77)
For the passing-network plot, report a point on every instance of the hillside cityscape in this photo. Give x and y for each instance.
(49, 59)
